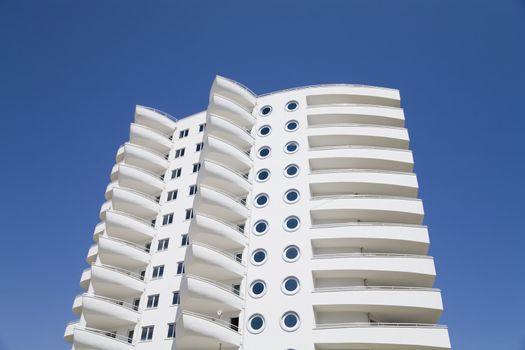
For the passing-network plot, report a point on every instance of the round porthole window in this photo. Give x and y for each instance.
(263, 175)
(258, 257)
(292, 125)
(291, 196)
(291, 147)
(261, 200)
(264, 152)
(291, 253)
(292, 223)
(290, 321)
(265, 130)
(257, 289)
(260, 227)
(290, 285)
(291, 106)
(265, 111)
(256, 323)
(291, 170)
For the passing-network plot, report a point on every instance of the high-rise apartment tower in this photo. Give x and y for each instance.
(289, 220)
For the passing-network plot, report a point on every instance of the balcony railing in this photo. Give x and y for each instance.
(231, 256)
(327, 85)
(363, 223)
(243, 175)
(112, 335)
(377, 324)
(368, 255)
(225, 287)
(238, 228)
(122, 271)
(321, 148)
(369, 288)
(159, 112)
(320, 126)
(245, 130)
(113, 301)
(162, 155)
(239, 200)
(218, 321)
(149, 172)
(246, 152)
(353, 170)
(145, 222)
(129, 244)
(142, 194)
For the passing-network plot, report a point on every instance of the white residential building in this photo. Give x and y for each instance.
(284, 221)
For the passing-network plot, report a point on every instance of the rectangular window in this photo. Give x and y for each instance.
(180, 152)
(189, 214)
(172, 195)
(196, 167)
(147, 333)
(180, 267)
(176, 298)
(163, 244)
(153, 301)
(130, 335)
(171, 330)
(199, 147)
(176, 173)
(167, 219)
(185, 240)
(193, 190)
(158, 271)
(202, 127)
(184, 133)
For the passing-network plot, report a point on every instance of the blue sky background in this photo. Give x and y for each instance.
(72, 71)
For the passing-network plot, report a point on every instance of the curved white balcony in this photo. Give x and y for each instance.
(234, 91)
(222, 152)
(229, 131)
(214, 202)
(357, 135)
(389, 304)
(70, 330)
(92, 254)
(207, 296)
(123, 254)
(220, 176)
(107, 313)
(352, 113)
(134, 202)
(109, 188)
(212, 263)
(128, 227)
(375, 237)
(113, 282)
(104, 208)
(230, 110)
(196, 331)
(85, 278)
(388, 336)
(143, 158)
(356, 157)
(367, 182)
(99, 229)
(139, 179)
(77, 305)
(342, 94)
(155, 119)
(217, 232)
(377, 269)
(149, 138)
(367, 208)
(96, 339)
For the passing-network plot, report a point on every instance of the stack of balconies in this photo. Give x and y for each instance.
(211, 294)
(371, 274)
(109, 309)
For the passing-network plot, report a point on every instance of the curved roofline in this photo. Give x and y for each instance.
(326, 85)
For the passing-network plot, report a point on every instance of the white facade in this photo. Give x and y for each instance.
(305, 232)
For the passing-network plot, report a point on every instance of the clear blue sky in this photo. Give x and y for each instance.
(72, 71)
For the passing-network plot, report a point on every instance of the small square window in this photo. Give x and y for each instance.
(189, 214)
(153, 301)
(176, 298)
(163, 244)
(202, 127)
(184, 133)
(171, 330)
(196, 167)
(158, 271)
(193, 190)
(185, 240)
(147, 333)
(180, 152)
(167, 219)
(199, 147)
(180, 267)
(172, 195)
(176, 173)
